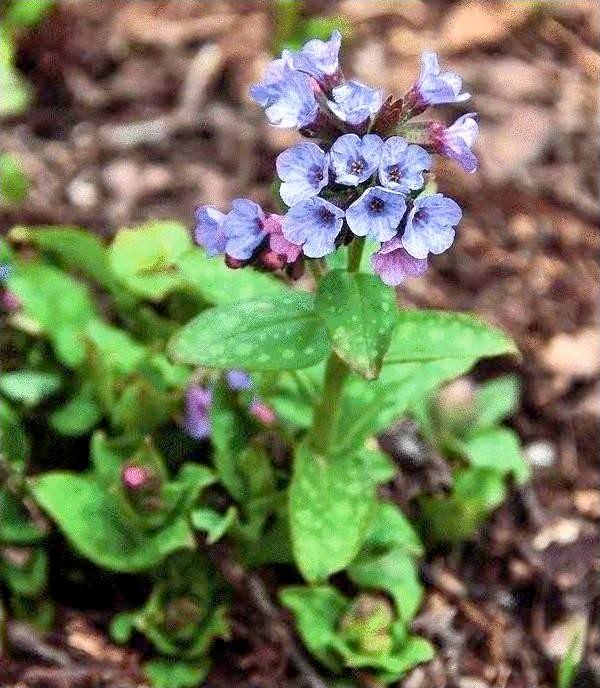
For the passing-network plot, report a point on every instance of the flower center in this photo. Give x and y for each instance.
(376, 205)
(421, 216)
(325, 215)
(317, 174)
(357, 166)
(394, 174)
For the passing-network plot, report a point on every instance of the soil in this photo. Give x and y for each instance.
(141, 111)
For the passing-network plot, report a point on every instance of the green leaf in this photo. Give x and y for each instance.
(21, 13)
(13, 182)
(569, 664)
(145, 258)
(218, 284)
(359, 313)
(75, 249)
(120, 351)
(413, 652)
(29, 387)
(58, 304)
(317, 611)
(16, 92)
(174, 673)
(499, 450)
(435, 335)
(91, 520)
(331, 500)
(16, 526)
(368, 407)
(387, 560)
(13, 438)
(282, 333)
(25, 572)
(214, 524)
(78, 416)
(496, 400)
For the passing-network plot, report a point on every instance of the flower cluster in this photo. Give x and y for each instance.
(366, 176)
(198, 402)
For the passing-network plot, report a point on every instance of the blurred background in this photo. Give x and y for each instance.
(114, 112)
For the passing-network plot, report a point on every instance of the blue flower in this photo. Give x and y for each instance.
(314, 224)
(208, 230)
(376, 214)
(430, 225)
(354, 102)
(303, 169)
(238, 380)
(402, 165)
(457, 140)
(244, 228)
(5, 271)
(319, 58)
(196, 422)
(354, 159)
(394, 264)
(435, 87)
(287, 96)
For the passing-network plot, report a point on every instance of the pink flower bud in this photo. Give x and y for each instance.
(135, 477)
(264, 414)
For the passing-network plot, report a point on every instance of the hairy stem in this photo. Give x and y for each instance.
(327, 410)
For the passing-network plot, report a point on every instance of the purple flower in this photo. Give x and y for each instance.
(198, 401)
(208, 230)
(238, 380)
(244, 228)
(303, 169)
(286, 95)
(354, 102)
(430, 225)
(284, 249)
(376, 214)
(435, 87)
(456, 140)
(354, 159)
(313, 224)
(394, 264)
(402, 165)
(319, 59)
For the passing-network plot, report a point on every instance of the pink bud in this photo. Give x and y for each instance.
(9, 301)
(135, 477)
(264, 414)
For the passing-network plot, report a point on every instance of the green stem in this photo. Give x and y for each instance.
(327, 410)
(355, 254)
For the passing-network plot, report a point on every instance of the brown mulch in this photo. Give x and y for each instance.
(142, 112)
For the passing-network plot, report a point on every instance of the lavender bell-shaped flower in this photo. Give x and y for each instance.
(244, 228)
(319, 59)
(394, 264)
(376, 214)
(457, 140)
(434, 87)
(238, 380)
(355, 103)
(355, 159)
(208, 230)
(313, 224)
(430, 225)
(287, 96)
(196, 422)
(402, 165)
(303, 169)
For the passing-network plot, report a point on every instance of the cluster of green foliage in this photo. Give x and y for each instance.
(99, 354)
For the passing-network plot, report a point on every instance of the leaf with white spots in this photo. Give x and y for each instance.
(331, 501)
(435, 335)
(280, 333)
(359, 312)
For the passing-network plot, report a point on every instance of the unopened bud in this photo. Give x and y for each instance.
(182, 612)
(367, 624)
(234, 263)
(135, 477)
(264, 414)
(9, 301)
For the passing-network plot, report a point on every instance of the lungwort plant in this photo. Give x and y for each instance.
(219, 400)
